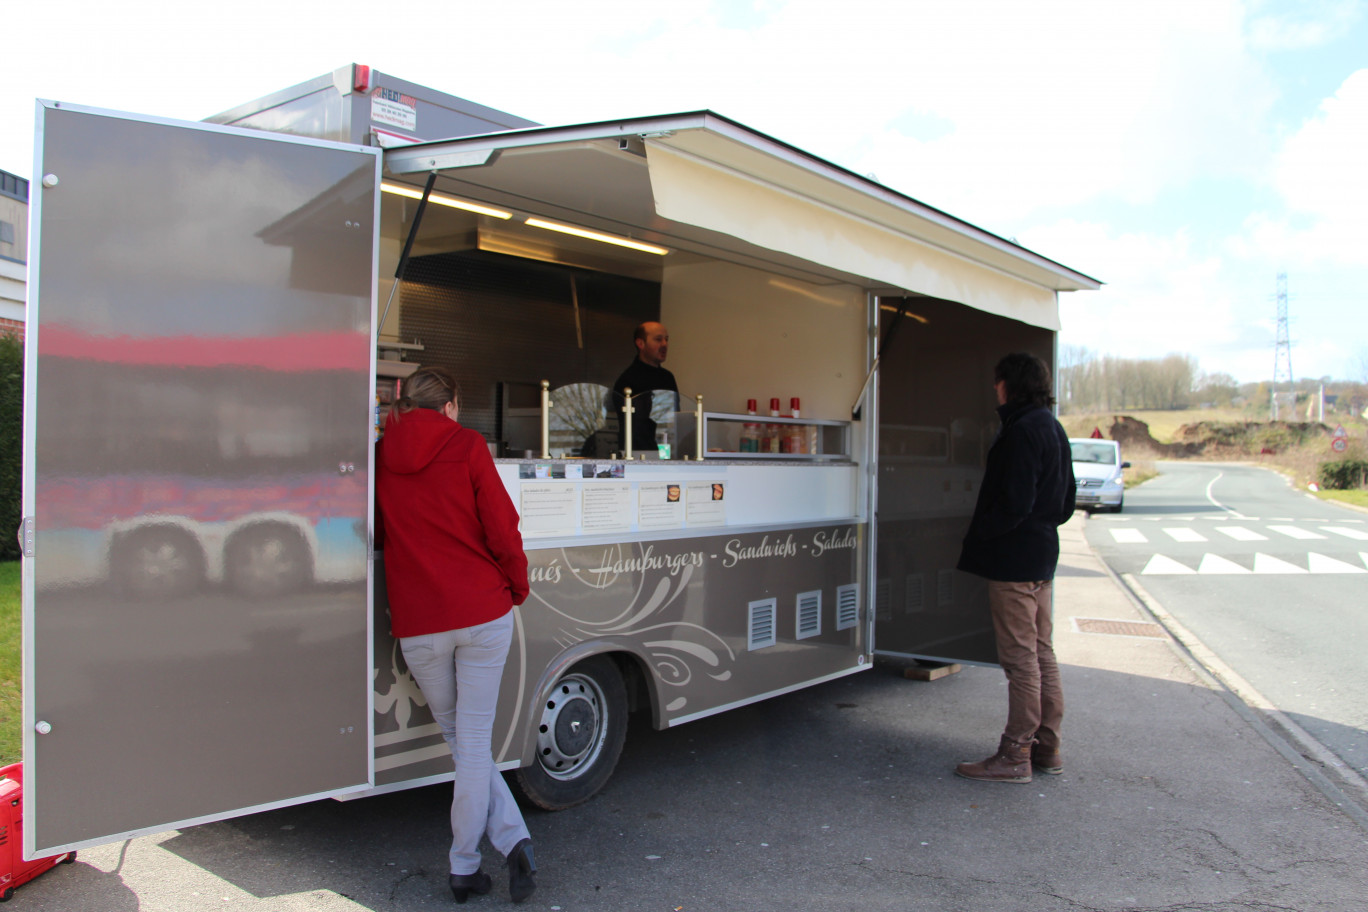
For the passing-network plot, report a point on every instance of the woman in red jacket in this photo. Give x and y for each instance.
(454, 569)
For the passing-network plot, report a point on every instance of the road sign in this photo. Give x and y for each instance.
(1340, 431)
(1339, 444)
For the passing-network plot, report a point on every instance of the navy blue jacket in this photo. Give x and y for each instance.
(1027, 493)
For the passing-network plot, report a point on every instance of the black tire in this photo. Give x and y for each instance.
(580, 733)
(267, 560)
(158, 561)
(70, 858)
(7, 895)
(1119, 504)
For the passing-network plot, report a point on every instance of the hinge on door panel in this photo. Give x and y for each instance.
(26, 536)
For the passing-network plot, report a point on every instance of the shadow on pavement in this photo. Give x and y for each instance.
(842, 796)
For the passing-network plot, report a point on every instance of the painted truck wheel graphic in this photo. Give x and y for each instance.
(579, 737)
(159, 562)
(267, 560)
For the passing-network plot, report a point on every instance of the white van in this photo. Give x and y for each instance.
(1097, 467)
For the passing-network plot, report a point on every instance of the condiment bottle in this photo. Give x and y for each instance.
(750, 431)
(793, 433)
(772, 431)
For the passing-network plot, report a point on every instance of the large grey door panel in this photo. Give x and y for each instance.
(197, 464)
(937, 419)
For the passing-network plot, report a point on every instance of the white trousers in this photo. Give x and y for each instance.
(458, 672)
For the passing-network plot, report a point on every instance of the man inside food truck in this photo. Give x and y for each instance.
(645, 375)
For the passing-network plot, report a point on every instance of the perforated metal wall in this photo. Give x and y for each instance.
(456, 303)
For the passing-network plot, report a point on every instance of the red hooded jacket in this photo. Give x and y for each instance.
(453, 553)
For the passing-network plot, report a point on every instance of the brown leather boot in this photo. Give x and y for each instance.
(1046, 759)
(1011, 763)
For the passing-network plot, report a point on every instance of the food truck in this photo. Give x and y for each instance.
(220, 312)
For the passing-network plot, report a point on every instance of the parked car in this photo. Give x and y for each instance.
(1097, 468)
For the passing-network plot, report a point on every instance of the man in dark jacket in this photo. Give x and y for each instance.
(1013, 542)
(646, 373)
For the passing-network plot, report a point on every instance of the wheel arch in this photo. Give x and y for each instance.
(636, 675)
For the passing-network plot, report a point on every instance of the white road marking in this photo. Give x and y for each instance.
(1242, 533)
(1264, 563)
(1214, 563)
(1364, 556)
(1159, 564)
(1128, 536)
(1294, 532)
(1217, 503)
(1185, 535)
(1319, 563)
(1357, 534)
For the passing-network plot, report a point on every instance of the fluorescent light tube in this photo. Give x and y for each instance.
(442, 199)
(597, 236)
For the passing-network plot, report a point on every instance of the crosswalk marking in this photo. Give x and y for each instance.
(1265, 563)
(1357, 534)
(1128, 536)
(1184, 534)
(1217, 565)
(1214, 563)
(1241, 533)
(1319, 563)
(1297, 533)
(1159, 564)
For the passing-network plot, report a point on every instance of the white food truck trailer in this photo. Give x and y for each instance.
(214, 321)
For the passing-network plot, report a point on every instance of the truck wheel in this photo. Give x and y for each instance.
(7, 895)
(158, 562)
(267, 560)
(579, 736)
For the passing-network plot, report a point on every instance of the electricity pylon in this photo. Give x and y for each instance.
(1282, 351)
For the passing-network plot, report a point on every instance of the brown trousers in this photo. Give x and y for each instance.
(1023, 625)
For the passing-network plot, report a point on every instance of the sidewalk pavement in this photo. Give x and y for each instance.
(1175, 796)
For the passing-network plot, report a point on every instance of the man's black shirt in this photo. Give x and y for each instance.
(641, 378)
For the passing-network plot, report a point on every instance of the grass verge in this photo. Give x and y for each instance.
(11, 664)
(1355, 498)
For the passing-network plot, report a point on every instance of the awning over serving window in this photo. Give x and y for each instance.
(707, 187)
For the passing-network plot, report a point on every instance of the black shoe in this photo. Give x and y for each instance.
(462, 885)
(521, 867)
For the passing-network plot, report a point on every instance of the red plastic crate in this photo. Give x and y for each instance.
(14, 870)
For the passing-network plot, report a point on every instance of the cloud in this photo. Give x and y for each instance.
(1322, 174)
(1303, 27)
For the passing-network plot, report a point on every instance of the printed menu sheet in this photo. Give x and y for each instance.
(607, 507)
(660, 505)
(705, 503)
(549, 509)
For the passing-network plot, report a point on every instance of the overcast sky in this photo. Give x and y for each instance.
(1185, 152)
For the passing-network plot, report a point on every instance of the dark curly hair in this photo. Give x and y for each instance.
(1027, 378)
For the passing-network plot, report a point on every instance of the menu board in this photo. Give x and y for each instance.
(660, 505)
(705, 503)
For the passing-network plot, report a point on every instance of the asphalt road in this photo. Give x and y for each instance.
(1272, 580)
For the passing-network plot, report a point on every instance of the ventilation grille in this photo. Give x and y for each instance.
(4, 835)
(847, 606)
(883, 600)
(809, 614)
(761, 632)
(914, 596)
(945, 588)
